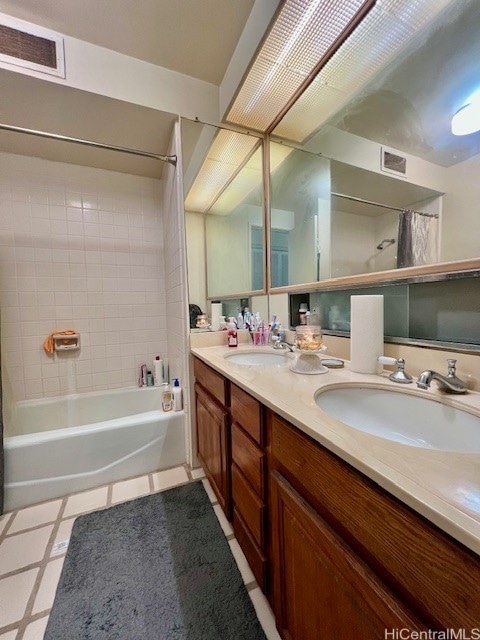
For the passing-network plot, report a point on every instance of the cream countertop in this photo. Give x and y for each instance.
(442, 486)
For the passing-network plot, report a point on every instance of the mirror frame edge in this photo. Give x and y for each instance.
(457, 267)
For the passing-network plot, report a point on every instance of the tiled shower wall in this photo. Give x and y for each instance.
(175, 274)
(80, 248)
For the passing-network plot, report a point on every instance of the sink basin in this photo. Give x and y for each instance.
(409, 419)
(257, 357)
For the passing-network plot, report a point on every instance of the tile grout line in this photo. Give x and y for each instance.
(21, 625)
(28, 614)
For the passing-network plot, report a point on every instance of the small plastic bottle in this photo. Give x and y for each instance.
(302, 313)
(177, 395)
(232, 335)
(167, 399)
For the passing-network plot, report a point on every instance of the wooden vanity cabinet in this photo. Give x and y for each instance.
(213, 431)
(349, 560)
(249, 481)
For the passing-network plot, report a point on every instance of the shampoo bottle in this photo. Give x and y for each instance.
(232, 335)
(158, 371)
(167, 399)
(177, 395)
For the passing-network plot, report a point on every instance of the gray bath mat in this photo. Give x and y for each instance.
(155, 568)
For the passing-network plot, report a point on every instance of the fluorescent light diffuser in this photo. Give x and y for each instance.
(302, 34)
(226, 154)
(380, 37)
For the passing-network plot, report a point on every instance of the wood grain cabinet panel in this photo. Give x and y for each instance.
(435, 576)
(212, 381)
(249, 458)
(326, 591)
(249, 505)
(247, 411)
(213, 435)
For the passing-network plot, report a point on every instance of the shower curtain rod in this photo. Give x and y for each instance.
(90, 143)
(384, 206)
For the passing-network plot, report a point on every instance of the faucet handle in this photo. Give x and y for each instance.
(400, 375)
(452, 367)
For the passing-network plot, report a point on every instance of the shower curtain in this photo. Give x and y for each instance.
(417, 239)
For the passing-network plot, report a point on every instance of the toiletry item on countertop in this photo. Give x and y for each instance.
(142, 381)
(232, 335)
(158, 371)
(366, 334)
(177, 395)
(167, 399)
(149, 378)
(302, 313)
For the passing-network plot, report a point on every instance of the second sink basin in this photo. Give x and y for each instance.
(257, 357)
(409, 419)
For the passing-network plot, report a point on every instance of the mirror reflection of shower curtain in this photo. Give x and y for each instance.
(417, 239)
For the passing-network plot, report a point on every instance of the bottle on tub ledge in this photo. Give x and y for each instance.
(158, 371)
(167, 397)
(177, 395)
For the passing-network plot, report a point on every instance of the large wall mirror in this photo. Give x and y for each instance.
(373, 178)
(224, 209)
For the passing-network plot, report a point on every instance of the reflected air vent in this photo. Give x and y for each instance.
(392, 162)
(26, 45)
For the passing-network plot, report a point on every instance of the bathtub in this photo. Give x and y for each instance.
(77, 442)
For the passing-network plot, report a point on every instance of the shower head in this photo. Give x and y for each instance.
(386, 242)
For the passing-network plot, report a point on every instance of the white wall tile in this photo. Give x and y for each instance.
(79, 248)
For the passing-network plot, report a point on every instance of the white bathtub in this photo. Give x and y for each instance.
(85, 440)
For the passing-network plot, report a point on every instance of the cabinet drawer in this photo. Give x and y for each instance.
(248, 412)
(435, 575)
(249, 505)
(212, 381)
(249, 458)
(255, 557)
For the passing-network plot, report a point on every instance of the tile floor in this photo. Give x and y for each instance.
(34, 540)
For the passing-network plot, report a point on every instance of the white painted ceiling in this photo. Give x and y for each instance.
(195, 37)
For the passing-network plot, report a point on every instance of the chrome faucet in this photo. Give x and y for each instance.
(449, 383)
(278, 343)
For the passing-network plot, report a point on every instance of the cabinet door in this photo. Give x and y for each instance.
(325, 592)
(212, 446)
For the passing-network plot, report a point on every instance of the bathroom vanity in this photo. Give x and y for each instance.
(347, 535)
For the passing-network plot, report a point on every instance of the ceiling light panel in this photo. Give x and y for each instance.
(301, 35)
(227, 153)
(381, 36)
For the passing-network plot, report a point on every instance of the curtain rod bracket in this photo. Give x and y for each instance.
(89, 143)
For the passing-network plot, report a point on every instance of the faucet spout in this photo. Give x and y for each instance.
(449, 383)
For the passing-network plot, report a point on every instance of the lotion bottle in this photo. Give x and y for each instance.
(177, 395)
(232, 335)
(167, 399)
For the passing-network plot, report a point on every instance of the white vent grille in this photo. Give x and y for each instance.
(393, 162)
(31, 47)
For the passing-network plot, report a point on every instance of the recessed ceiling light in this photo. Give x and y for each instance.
(467, 119)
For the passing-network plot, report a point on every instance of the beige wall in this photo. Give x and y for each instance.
(461, 220)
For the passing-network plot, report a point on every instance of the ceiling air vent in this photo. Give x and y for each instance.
(26, 45)
(393, 162)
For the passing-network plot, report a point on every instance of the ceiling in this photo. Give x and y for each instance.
(410, 104)
(181, 35)
(193, 37)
